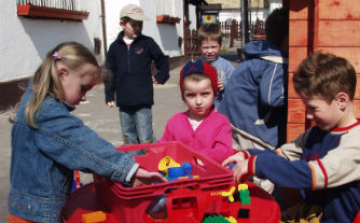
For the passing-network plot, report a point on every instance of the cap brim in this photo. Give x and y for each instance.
(138, 17)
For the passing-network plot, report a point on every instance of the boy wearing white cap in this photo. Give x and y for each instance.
(129, 80)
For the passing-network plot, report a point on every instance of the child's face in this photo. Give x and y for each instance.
(77, 82)
(326, 115)
(132, 29)
(199, 97)
(210, 49)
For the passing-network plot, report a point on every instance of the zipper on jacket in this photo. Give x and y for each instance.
(128, 58)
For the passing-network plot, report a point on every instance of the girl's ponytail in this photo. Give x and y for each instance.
(45, 83)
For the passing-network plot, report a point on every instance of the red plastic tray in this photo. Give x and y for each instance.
(128, 204)
(211, 174)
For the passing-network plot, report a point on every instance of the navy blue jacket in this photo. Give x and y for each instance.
(255, 96)
(130, 68)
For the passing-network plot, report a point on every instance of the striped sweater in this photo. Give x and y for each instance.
(324, 165)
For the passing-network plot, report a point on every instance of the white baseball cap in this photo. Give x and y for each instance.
(133, 12)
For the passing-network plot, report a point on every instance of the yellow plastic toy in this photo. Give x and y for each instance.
(229, 193)
(165, 163)
(243, 187)
(231, 219)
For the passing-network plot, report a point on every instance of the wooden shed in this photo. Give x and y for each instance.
(329, 25)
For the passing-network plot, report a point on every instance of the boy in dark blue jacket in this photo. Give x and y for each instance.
(255, 97)
(129, 64)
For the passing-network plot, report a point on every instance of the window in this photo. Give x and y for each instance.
(166, 11)
(58, 9)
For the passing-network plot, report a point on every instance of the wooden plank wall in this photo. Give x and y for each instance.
(329, 25)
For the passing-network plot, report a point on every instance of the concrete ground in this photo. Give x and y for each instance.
(103, 120)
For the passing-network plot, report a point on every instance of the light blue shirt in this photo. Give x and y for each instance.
(224, 70)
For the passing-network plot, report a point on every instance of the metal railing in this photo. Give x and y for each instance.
(60, 4)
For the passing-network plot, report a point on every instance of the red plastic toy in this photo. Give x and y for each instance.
(187, 200)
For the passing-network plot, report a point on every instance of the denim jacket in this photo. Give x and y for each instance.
(43, 160)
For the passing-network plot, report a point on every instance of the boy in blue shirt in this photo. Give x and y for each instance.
(323, 162)
(210, 40)
(129, 62)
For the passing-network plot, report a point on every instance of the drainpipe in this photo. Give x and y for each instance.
(103, 17)
(249, 21)
(244, 22)
(314, 39)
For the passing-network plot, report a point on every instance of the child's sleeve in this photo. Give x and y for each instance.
(284, 167)
(339, 166)
(294, 150)
(279, 170)
(109, 77)
(161, 63)
(74, 145)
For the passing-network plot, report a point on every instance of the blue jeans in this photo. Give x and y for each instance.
(136, 124)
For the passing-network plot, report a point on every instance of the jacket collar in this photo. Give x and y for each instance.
(120, 37)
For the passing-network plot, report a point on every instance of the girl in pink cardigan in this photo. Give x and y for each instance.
(200, 127)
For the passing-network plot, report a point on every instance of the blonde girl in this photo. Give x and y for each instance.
(48, 143)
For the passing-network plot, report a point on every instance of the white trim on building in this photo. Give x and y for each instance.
(25, 41)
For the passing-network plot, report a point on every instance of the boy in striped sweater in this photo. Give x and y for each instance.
(323, 162)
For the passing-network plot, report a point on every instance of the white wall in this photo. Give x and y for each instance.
(165, 35)
(25, 41)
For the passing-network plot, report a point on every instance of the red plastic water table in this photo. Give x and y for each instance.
(123, 204)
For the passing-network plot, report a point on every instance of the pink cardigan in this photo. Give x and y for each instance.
(212, 137)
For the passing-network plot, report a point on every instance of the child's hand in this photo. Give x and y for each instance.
(110, 104)
(145, 177)
(241, 171)
(154, 80)
(220, 85)
(237, 157)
